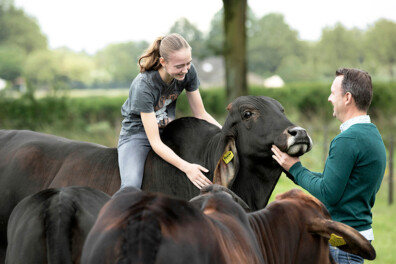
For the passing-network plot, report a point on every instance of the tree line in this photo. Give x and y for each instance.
(273, 47)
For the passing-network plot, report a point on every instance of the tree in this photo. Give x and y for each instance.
(121, 61)
(75, 69)
(12, 59)
(271, 41)
(58, 70)
(380, 43)
(235, 47)
(19, 36)
(6, 4)
(339, 47)
(16, 28)
(383, 109)
(40, 71)
(296, 69)
(215, 38)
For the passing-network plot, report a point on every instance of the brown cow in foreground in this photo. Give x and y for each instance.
(295, 228)
(141, 227)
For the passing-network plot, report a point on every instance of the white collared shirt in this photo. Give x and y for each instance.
(356, 120)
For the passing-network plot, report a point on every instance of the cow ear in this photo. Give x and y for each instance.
(342, 236)
(227, 166)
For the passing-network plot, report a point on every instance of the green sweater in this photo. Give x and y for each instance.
(352, 175)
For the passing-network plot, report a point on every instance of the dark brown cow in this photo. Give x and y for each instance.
(51, 226)
(143, 227)
(31, 162)
(293, 229)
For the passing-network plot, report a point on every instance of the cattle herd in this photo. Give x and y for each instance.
(58, 203)
(64, 225)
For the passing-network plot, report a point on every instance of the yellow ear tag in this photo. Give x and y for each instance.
(336, 241)
(228, 156)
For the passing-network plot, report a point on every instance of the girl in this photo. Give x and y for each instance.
(165, 71)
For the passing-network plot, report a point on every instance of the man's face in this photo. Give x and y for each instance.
(337, 98)
(178, 64)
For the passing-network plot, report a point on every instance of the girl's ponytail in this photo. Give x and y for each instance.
(150, 60)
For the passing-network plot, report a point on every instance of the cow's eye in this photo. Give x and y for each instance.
(247, 114)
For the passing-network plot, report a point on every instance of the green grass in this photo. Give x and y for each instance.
(384, 216)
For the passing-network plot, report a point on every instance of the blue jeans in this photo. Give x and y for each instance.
(132, 154)
(342, 257)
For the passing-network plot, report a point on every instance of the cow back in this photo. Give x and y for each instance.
(141, 227)
(51, 226)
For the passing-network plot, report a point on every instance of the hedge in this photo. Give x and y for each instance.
(308, 99)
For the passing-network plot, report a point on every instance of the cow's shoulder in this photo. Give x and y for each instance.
(187, 127)
(187, 133)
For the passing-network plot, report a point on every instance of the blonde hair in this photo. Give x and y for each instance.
(161, 47)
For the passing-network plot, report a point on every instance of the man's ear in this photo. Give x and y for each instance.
(228, 165)
(349, 98)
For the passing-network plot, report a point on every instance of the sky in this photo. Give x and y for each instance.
(91, 25)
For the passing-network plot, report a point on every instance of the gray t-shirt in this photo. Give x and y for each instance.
(149, 93)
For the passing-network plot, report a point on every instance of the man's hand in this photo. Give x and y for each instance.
(283, 158)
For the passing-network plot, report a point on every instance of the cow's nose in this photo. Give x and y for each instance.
(297, 132)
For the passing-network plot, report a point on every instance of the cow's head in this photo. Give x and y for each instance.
(207, 194)
(260, 120)
(253, 125)
(226, 212)
(318, 223)
(215, 199)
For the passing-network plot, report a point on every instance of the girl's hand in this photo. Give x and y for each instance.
(195, 175)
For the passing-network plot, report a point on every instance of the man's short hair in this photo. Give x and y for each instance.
(358, 83)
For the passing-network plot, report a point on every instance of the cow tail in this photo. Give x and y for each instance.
(59, 216)
(142, 237)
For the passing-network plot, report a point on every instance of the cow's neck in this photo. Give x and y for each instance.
(262, 178)
(215, 149)
(259, 174)
(262, 223)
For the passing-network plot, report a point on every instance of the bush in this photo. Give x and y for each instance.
(306, 100)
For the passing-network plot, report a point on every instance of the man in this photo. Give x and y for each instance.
(356, 162)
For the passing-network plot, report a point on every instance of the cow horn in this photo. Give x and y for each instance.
(342, 236)
(227, 166)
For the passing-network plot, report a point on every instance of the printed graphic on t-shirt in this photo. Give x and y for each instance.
(161, 110)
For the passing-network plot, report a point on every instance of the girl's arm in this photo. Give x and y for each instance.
(198, 109)
(193, 171)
